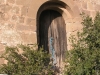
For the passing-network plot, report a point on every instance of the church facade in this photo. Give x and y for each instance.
(48, 23)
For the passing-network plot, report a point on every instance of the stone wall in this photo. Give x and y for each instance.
(89, 7)
(18, 19)
(16, 23)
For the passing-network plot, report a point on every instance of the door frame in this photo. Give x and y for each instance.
(58, 6)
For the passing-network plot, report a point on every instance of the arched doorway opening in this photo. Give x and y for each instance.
(52, 35)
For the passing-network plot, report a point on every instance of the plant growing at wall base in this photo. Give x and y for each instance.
(26, 60)
(84, 57)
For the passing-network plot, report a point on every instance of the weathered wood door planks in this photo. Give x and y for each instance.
(51, 24)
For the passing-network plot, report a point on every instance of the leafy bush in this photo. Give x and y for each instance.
(84, 57)
(26, 60)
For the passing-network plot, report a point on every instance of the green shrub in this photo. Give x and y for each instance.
(84, 57)
(26, 60)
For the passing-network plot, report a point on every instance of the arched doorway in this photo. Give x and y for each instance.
(52, 34)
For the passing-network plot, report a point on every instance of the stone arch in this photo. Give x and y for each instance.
(59, 6)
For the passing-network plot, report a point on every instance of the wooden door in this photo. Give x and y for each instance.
(52, 25)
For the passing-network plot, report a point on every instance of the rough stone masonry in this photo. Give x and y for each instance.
(19, 18)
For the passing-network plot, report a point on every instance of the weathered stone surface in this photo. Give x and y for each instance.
(25, 2)
(15, 18)
(90, 6)
(87, 12)
(15, 10)
(8, 35)
(28, 38)
(21, 19)
(30, 21)
(97, 7)
(1, 1)
(11, 1)
(23, 14)
(84, 5)
(4, 16)
(24, 10)
(77, 12)
(5, 8)
(31, 13)
(21, 2)
(22, 28)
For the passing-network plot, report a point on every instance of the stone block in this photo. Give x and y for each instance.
(90, 6)
(71, 27)
(15, 10)
(21, 19)
(5, 16)
(97, 7)
(15, 18)
(24, 2)
(11, 1)
(2, 1)
(22, 28)
(68, 27)
(5, 8)
(95, 1)
(84, 5)
(76, 11)
(87, 12)
(8, 35)
(29, 21)
(31, 12)
(24, 10)
(78, 4)
(28, 38)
